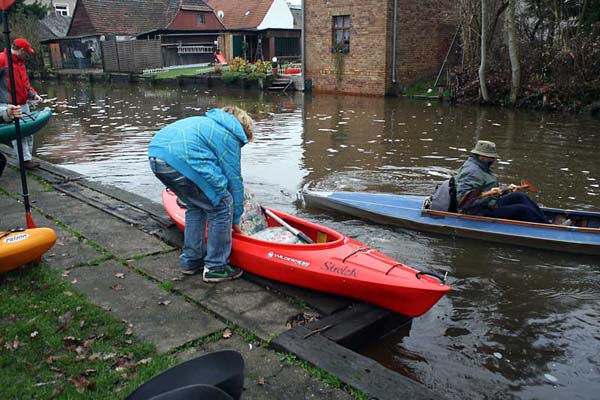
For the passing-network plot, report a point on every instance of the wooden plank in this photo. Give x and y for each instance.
(358, 325)
(352, 368)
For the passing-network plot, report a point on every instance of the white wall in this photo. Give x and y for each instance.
(278, 16)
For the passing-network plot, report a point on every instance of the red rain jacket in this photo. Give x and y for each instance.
(24, 89)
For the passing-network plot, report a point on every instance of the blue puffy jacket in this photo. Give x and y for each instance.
(207, 151)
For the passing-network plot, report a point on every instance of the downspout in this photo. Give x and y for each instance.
(302, 47)
(394, 42)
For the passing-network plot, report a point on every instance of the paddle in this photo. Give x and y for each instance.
(525, 184)
(299, 234)
(5, 5)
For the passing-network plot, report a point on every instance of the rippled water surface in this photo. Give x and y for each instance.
(520, 323)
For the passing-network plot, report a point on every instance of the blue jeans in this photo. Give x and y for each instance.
(213, 253)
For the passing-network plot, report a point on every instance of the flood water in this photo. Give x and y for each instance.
(520, 323)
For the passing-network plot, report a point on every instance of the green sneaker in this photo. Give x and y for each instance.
(228, 274)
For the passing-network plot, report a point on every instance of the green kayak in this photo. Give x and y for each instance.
(30, 124)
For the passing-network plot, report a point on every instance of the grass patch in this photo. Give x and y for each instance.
(54, 343)
(422, 89)
(175, 73)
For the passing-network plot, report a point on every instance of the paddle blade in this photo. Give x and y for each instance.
(6, 4)
(529, 185)
(29, 219)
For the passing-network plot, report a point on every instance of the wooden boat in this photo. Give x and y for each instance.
(29, 125)
(22, 246)
(333, 264)
(581, 236)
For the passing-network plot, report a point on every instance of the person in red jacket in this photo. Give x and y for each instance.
(21, 49)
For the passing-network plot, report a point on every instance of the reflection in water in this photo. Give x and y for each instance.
(520, 323)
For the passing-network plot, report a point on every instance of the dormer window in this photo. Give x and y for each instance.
(61, 9)
(201, 20)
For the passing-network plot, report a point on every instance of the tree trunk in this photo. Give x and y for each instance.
(513, 52)
(484, 43)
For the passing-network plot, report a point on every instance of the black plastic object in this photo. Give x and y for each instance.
(194, 392)
(222, 369)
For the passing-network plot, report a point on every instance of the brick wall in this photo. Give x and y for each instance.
(425, 30)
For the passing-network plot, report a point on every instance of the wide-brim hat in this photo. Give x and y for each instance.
(485, 148)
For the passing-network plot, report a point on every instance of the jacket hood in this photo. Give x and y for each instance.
(229, 122)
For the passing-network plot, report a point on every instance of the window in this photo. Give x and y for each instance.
(201, 19)
(341, 34)
(61, 9)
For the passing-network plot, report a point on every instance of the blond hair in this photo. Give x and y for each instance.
(245, 120)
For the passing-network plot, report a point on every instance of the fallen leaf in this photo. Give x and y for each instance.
(68, 293)
(74, 281)
(57, 391)
(12, 317)
(117, 286)
(66, 273)
(261, 381)
(164, 302)
(34, 334)
(66, 319)
(15, 343)
(227, 333)
(120, 275)
(50, 359)
(145, 361)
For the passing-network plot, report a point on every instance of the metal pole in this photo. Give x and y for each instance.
(13, 95)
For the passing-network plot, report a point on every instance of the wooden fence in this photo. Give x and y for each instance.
(131, 55)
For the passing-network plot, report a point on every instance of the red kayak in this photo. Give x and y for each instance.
(334, 264)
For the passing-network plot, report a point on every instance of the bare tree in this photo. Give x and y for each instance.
(513, 51)
(484, 46)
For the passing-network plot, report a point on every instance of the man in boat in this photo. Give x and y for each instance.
(199, 159)
(475, 177)
(8, 112)
(20, 51)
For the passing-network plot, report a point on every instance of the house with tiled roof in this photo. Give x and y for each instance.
(175, 32)
(258, 29)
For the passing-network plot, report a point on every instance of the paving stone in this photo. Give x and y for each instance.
(68, 251)
(281, 380)
(159, 317)
(242, 302)
(118, 237)
(10, 181)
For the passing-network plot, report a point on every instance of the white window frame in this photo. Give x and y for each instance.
(61, 9)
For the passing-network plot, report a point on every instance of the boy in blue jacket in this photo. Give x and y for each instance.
(199, 159)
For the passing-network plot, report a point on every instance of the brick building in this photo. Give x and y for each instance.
(349, 44)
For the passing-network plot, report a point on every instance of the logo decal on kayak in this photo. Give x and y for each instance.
(289, 259)
(342, 270)
(16, 238)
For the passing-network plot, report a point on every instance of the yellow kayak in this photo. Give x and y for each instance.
(20, 247)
